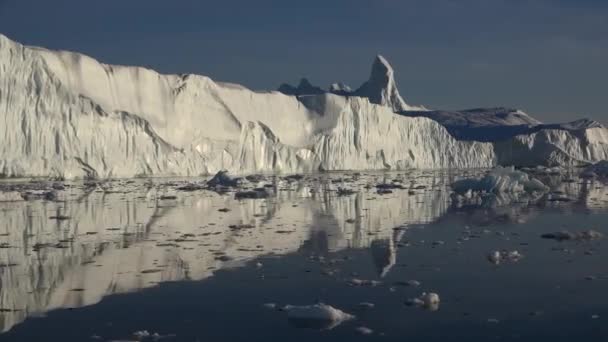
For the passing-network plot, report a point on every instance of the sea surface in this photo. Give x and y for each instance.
(167, 259)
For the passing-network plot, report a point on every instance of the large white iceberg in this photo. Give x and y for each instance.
(67, 115)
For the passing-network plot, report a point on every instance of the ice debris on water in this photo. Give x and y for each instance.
(499, 187)
(429, 301)
(364, 330)
(270, 306)
(497, 257)
(364, 282)
(499, 180)
(318, 315)
(366, 305)
(580, 236)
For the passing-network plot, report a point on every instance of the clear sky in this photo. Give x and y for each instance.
(547, 57)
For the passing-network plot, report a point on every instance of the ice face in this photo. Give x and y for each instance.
(69, 116)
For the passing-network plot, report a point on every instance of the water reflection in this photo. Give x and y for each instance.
(94, 240)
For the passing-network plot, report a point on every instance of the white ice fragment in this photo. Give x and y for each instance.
(270, 306)
(317, 312)
(367, 305)
(364, 330)
(496, 257)
(429, 301)
(364, 282)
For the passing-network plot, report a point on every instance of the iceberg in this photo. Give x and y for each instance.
(500, 180)
(67, 115)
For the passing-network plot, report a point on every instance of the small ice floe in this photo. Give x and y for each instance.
(497, 257)
(413, 283)
(272, 306)
(579, 236)
(364, 330)
(317, 316)
(366, 305)
(364, 282)
(145, 335)
(429, 301)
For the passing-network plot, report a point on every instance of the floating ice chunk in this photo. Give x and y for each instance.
(497, 257)
(366, 305)
(429, 301)
(412, 283)
(364, 330)
(272, 306)
(316, 316)
(500, 180)
(364, 282)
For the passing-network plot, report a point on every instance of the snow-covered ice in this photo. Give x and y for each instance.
(67, 115)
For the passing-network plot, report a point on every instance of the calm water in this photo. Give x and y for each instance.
(100, 262)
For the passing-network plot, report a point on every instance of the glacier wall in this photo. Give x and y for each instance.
(66, 115)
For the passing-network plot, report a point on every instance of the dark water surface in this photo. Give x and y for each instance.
(99, 262)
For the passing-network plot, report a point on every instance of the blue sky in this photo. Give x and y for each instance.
(547, 57)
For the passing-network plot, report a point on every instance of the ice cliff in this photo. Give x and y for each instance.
(66, 115)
